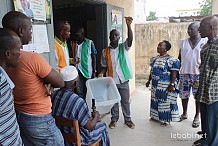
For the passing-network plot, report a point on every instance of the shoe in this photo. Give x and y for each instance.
(200, 132)
(198, 142)
(130, 124)
(112, 125)
(183, 117)
(195, 123)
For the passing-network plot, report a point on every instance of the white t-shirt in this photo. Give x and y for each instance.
(190, 55)
(118, 75)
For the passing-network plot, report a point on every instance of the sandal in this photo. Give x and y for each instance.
(164, 124)
(183, 117)
(195, 123)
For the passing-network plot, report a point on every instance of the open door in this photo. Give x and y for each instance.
(108, 17)
(115, 20)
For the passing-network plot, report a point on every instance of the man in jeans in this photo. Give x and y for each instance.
(207, 93)
(32, 102)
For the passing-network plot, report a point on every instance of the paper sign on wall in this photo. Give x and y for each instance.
(40, 38)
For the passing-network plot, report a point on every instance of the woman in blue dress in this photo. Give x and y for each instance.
(164, 91)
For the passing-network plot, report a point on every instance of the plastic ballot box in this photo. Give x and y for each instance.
(105, 93)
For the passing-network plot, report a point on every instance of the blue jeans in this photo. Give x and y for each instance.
(39, 130)
(210, 114)
(81, 86)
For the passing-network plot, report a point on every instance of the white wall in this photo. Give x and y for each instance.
(140, 11)
(215, 7)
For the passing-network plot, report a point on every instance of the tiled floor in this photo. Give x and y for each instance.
(150, 133)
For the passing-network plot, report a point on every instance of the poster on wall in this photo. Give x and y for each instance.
(116, 22)
(116, 18)
(47, 9)
(34, 9)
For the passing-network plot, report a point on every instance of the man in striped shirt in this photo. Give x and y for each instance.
(66, 103)
(207, 93)
(9, 55)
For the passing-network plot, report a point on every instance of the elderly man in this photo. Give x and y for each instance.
(207, 93)
(69, 105)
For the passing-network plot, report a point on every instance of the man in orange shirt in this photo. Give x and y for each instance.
(32, 103)
(62, 33)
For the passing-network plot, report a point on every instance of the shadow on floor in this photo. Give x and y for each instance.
(148, 132)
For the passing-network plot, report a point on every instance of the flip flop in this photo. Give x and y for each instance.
(183, 117)
(195, 123)
(164, 124)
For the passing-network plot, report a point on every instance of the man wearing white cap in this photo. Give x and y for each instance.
(67, 104)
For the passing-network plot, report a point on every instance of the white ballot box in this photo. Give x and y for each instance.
(105, 93)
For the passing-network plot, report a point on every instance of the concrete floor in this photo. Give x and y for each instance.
(148, 132)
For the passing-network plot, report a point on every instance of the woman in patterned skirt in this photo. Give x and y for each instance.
(164, 70)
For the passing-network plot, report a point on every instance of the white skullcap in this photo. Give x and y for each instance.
(69, 73)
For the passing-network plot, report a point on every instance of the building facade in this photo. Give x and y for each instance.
(215, 7)
(188, 12)
(95, 15)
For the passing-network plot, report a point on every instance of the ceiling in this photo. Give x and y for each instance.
(75, 3)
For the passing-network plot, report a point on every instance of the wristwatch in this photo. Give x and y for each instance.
(172, 84)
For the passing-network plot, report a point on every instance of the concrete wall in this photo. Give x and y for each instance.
(215, 7)
(128, 6)
(147, 38)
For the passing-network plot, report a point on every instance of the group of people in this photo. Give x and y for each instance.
(81, 53)
(27, 103)
(30, 108)
(195, 70)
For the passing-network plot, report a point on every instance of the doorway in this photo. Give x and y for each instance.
(86, 14)
(94, 15)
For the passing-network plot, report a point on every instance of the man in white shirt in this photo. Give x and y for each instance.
(116, 63)
(189, 73)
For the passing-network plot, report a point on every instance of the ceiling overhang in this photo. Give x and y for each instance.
(75, 3)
